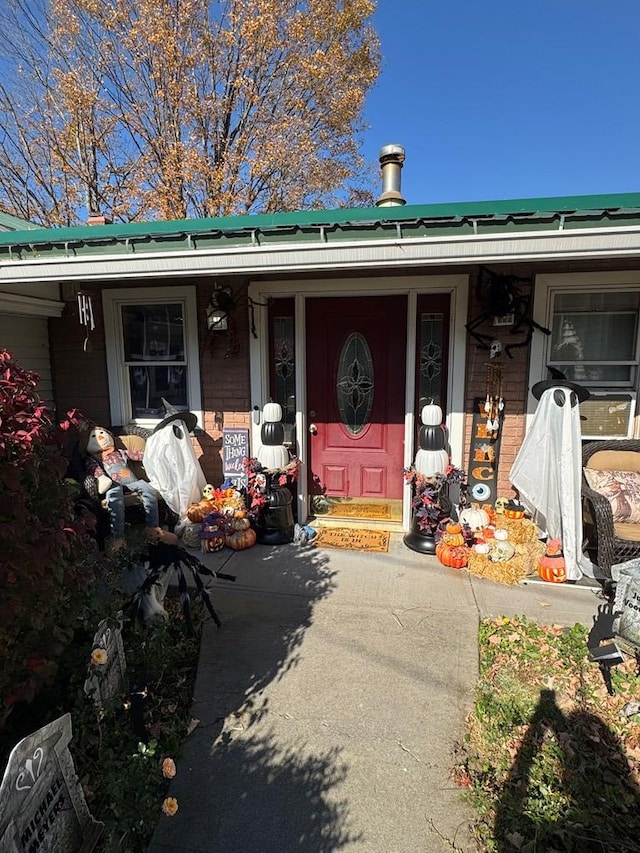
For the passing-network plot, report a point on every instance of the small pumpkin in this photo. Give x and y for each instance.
(431, 414)
(552, 566)
(241, 539)
(272, 412)
(514, 509)
(475, 517)
(453, 556)
(197, 511)
(453, 533)
(238, 523)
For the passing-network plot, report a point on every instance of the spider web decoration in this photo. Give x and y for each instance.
(501, 294)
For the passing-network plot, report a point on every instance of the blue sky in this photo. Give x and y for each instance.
(509, 98)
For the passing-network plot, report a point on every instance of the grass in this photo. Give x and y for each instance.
(550, 761)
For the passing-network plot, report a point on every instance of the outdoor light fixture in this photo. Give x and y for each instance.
(220, 304)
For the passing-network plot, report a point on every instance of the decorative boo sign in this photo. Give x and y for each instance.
(42, 806)
(235, 447)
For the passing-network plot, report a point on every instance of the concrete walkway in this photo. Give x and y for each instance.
(330, 700)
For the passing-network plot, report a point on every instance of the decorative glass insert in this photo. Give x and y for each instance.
(430, 358)
(284, 372)
(354, 383)
(154, 352)
(594, 337)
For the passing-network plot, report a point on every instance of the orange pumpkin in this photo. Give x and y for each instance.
(514, 509)
(453, 534)
(241, 539)
(551, 566)
(196, 512)
(454, 556)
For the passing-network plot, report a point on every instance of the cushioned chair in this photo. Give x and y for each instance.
(608, 542)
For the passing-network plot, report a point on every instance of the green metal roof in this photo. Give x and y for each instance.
(14, 223)
(459, 218)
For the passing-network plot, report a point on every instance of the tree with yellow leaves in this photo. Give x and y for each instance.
(146, 109)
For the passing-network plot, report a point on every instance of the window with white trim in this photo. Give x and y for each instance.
(152, 352)
(595, 322)
(594, 337)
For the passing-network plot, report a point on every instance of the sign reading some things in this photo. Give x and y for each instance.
(235, 447)
(106, 678)
(483, 453)
(42, 806)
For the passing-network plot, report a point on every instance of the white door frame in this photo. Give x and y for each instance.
(412, 286)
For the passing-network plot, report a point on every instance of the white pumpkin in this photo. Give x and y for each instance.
(273, 456)
(430, 462)
(272, 412)
(481, 548)
(431, 415)
(475, 517)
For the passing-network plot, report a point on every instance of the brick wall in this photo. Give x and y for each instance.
(514, 382)
(80, 376)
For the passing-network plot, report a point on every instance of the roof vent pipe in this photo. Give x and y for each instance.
(391, 160)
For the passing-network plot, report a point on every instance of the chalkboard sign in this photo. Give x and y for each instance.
(235, 447)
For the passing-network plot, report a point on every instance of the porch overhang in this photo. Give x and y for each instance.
(313, 256)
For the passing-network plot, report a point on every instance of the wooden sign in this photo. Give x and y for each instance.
(106, 678)
(235, 447)
(42, 806)
(483, 455)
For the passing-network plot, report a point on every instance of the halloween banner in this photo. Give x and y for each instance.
(486, 431)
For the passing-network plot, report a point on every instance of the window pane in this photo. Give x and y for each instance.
(153, 332)
(150, 384)
(354, 383)
(591, 331)
(284, 372)
(430, 378)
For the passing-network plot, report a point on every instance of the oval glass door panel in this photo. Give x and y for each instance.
(354, 383)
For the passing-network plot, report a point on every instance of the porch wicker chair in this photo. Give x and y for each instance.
(608, 543)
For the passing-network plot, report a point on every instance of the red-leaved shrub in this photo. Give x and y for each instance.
(44, 544)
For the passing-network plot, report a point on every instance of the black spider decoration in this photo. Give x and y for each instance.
(499, 295)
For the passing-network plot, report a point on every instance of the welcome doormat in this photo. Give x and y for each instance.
(358, 510)
(352, 539)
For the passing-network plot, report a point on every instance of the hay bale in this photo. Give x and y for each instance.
(524, 562)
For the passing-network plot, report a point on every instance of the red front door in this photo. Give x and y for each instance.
(356, 395)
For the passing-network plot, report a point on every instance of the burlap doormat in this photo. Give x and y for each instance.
(352, 539)
(358, 510)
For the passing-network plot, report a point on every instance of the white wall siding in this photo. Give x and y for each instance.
(27, 339)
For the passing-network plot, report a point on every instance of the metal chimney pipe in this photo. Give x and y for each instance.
(391, 160)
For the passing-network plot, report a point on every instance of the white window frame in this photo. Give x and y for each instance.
(546, 286)
(112, 302)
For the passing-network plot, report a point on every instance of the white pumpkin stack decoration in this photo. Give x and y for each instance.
(432, 458)
(272, 453)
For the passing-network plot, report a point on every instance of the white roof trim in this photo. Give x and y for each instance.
(362, 254)
(30, 306)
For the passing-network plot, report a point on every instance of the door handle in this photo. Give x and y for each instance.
(313, 429)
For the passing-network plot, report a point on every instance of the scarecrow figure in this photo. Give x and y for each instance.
(110, 466)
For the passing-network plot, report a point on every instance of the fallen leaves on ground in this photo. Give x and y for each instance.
(549, 759)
